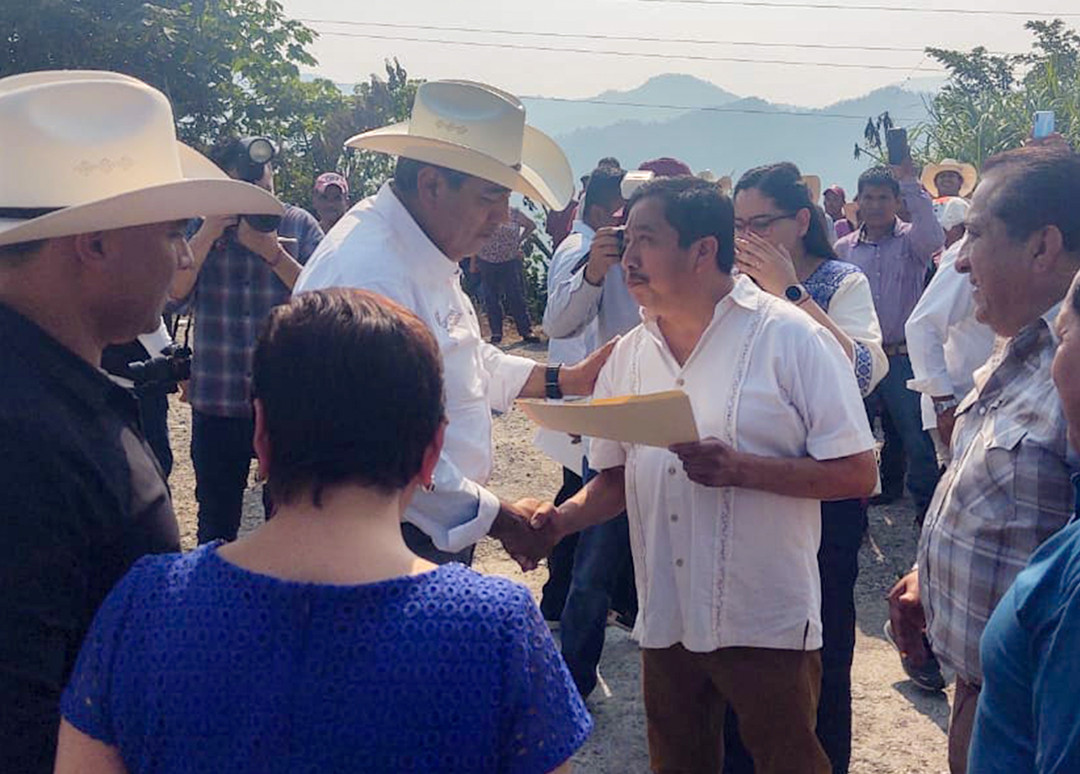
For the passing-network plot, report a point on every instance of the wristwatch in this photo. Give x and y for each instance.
(796, 294)
(551, 382)
(941, 406)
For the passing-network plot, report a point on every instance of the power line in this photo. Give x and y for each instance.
(619, 38)
(842, 7)
(694, 108)
(637, 54)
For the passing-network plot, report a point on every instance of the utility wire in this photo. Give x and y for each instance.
(637, 54)
(845, 7)
(621, 38)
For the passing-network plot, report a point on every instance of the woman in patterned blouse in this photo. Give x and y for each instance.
(320, 643)
(782, 245)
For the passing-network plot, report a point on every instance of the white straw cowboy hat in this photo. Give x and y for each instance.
(481, 131)
(966, 171)
(86, 150)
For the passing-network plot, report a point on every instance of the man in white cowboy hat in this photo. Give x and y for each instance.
(950, 178)
(95, 195)
(464, 149)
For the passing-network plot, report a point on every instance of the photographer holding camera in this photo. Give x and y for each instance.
(243, 267)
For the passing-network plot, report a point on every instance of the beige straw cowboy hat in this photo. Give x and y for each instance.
(813, 187)
(966, 171)
(481, 131)
(87, 150)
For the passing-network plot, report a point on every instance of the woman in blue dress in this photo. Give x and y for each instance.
(320, 643)
(782, 245)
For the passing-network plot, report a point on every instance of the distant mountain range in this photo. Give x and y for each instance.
(709, 127)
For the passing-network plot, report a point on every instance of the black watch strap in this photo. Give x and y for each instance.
(551, 382)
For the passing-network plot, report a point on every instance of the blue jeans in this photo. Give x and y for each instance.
(903, 408)
(600, 560)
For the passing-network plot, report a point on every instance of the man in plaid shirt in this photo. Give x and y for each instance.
(1008, 488)
(239, 274)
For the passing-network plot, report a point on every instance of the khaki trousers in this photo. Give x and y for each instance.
(774, 694)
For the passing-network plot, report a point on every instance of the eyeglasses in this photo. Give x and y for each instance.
(760, 223)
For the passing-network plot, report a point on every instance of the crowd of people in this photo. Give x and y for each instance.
(341, 352)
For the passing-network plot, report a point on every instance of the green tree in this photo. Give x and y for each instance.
(374, 103)
(228, 66)
(988, 104)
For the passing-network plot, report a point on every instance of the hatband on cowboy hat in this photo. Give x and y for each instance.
(481, 131)
(88, 150)
(966, 171)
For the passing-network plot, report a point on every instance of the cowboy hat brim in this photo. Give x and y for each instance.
(177, 200)
(544, 173)
(966, 171)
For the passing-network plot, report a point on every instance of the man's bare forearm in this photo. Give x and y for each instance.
(602, 499)
(839, 479)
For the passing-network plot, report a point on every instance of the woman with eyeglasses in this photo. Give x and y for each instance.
(320, 642)
(781, 243)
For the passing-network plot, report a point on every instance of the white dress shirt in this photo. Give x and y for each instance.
(946, 343)
(571, 349)
(574, 303)
(379, 247)
(731, 567)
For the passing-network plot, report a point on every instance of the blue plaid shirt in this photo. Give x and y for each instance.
(232, 298)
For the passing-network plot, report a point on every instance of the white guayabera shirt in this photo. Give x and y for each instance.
(729, 567)
(379, 247)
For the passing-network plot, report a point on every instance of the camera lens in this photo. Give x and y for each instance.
(261, 150)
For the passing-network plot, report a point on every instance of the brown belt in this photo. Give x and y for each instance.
(892, 350)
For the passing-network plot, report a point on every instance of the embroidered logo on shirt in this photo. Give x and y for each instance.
(451, 320)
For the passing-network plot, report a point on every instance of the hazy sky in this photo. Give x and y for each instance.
(565, 74)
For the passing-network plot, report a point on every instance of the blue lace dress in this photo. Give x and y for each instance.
(196, 665)
(822, 286)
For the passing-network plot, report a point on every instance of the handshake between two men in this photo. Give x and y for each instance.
(531, 527)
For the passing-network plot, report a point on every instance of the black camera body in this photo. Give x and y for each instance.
(251, 160)
(163, 373)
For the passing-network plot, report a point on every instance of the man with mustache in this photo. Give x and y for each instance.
(724, 530)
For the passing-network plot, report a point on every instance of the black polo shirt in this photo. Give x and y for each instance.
(81, 498)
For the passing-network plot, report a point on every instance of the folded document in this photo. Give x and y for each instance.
(656, 419)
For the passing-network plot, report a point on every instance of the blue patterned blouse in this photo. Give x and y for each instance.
(822, 286)
(194, 665)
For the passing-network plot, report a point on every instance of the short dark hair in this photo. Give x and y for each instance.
(879, 177)
(604, 187)
(352, 390)
(783, 184)
(695, 208)
(1041, 188)
(1075, 299)
(226, 152)
(407, 172)
(609, 161)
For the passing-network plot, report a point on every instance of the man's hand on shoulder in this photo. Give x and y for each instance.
(580, 378)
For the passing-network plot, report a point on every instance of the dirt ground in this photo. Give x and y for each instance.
(898, 729)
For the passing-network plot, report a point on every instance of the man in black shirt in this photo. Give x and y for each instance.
(95, 194)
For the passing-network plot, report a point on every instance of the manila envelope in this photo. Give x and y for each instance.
(657, 419)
